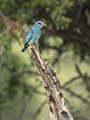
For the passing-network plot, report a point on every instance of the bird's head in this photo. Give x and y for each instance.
(39, 24)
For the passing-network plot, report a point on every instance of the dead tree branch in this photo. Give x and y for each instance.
(51, 83)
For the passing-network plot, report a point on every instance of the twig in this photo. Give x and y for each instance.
(74, 113)
(36, 91)
(70, 81)
(84, 78)
(80, 117)
(1, 55)
(79, 12)
(2, 14)
(76, 95)
(24, 106)
(26, 103)
(51, 83)
(39, 110)
(15, 74)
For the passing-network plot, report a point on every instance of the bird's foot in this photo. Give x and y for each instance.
(31, 43)
(37, 44)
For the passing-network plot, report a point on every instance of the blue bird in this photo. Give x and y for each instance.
(34, 35)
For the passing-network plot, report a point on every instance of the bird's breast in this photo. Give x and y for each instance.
(38, 34)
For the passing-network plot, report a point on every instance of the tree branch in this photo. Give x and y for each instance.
(76, 95)
(51, 83)
(39, 110)
(71, 80)
(15, 74)
(22, 111)
(84, 78)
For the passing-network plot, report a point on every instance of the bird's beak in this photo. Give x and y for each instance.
(44, 25)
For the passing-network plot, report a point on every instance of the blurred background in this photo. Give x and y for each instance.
(65, 43)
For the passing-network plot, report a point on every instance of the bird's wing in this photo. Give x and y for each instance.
(29, 36)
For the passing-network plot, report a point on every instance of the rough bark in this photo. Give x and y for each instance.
(51, 83)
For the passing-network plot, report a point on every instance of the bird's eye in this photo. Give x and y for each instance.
(40, 23)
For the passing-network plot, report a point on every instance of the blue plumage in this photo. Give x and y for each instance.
(34, 35)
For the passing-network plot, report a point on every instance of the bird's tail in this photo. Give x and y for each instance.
(24, 49)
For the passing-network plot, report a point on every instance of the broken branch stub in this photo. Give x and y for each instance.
(51, 83)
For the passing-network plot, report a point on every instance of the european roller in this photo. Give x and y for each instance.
(34, 35)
